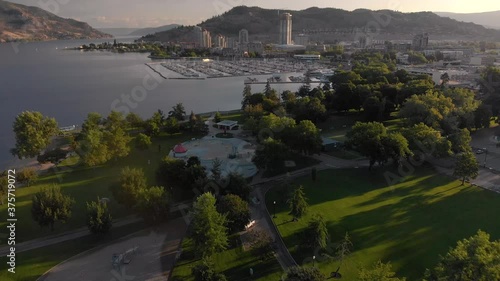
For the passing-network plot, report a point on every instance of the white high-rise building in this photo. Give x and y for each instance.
(243, 36)
(206, 39)
(220, 41)
(286, 29)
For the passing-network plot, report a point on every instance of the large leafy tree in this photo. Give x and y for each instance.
(271, 155)
(237, 185)
(236, 210)
(93, 122)
(298, 203)
(99, 220)
(153, 204)
(396, 147)
(430, 108)
(379, 272)
(134, 120)
(50, 206)
(306, 138)
(92, 148)
(132, 182)
(304, 274)
(142, 141)
(466, 166)
(460, 141)
(178, 112)
(33, 133)
(209, 230)
(424, 139)
(476, 258)
(366, 138)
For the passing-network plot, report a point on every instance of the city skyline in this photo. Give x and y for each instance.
(152, 13)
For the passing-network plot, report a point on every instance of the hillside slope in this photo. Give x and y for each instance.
(329, 24)
(25, 23)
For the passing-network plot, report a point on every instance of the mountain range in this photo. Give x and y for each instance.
(331, 25)
(487, 19)
(137, 32)
(25, 23)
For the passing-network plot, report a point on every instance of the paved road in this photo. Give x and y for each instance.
(153, 261)
(62, 237)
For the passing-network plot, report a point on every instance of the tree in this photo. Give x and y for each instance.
(396, 147)
(178, 112)
(460, 141)
(209, 230)
(216, 169)
(93, 122)
(466, 167)
(142, 141)
(172, 126)
(237, 185)
(427, 140)
(153, 204)
(482, 116)
(236, 210)
(33, 133)
(367, 139)
(445, 78)
(379, 272)
(115, 120)
(430, 109)
(298, 203)
(192, 120)
(132, 182)
(306, 138)
(170, 173)
(93, 149)
(134, 120)
(476, 258)
(271, 156)
(205, 271)
(27, 176)
(117, 142)
(99, 219)
(316, 233)
(343, 250)
(217, 117)
(152, 126)
(50, 206)
(4, 185)
(247, 93)
(304, 274)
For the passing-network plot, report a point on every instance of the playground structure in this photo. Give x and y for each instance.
(125, 258)
(236, 154)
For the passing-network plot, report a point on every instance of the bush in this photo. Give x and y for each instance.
(142, 141)
(53, 156)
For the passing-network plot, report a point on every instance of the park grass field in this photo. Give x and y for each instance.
(408, 224)
(86, 184)
(32, 264)
(235, 263)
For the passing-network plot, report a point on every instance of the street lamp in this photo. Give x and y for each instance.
(274, 204)
(314, 258)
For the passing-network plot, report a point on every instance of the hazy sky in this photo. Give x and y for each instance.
(145, 13)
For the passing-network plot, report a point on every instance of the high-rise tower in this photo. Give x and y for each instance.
(286, 29)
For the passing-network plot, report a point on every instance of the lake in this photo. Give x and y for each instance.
(68, 84)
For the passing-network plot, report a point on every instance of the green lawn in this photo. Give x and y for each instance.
(86, 184)
(32, 264)
(409, 224)
(235, 263)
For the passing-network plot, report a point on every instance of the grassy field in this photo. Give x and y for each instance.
(409, 224)
(32, 264)
(235, 263)
(86, 184)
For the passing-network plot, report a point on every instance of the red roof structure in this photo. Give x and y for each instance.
(180, 148)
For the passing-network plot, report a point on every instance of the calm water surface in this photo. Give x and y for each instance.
(67, 85)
